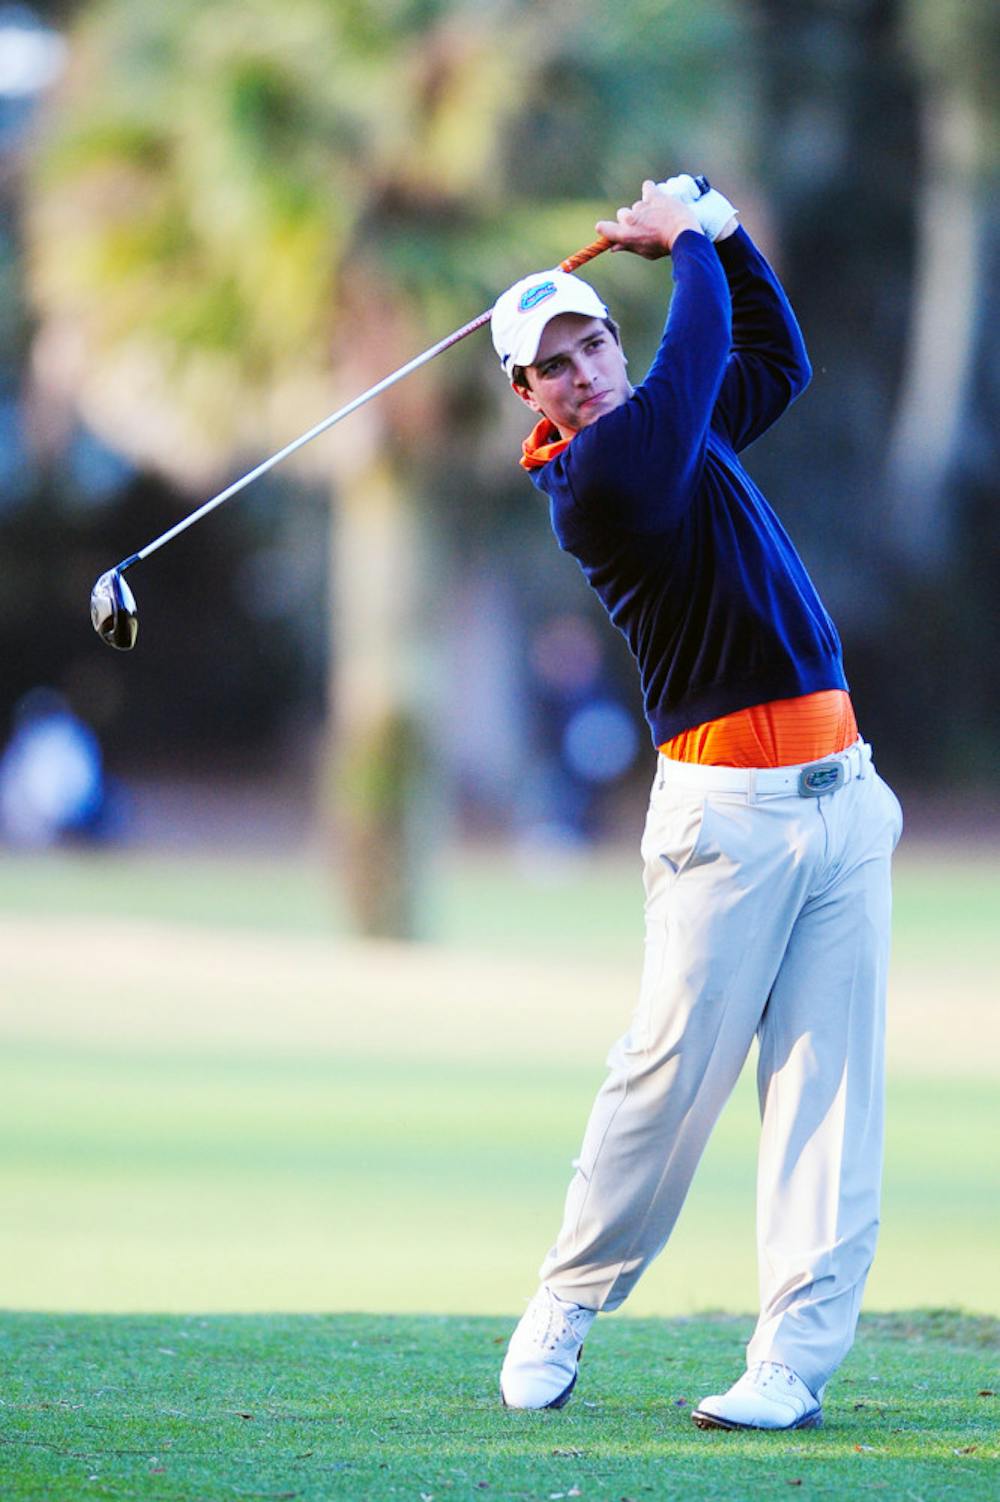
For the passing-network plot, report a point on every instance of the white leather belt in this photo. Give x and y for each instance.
(811, 779)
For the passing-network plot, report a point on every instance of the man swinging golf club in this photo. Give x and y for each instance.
(769, 834)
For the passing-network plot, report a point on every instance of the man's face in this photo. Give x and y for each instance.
(578, 375)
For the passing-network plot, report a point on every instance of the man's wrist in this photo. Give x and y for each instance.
(689, 229)
(674, 234)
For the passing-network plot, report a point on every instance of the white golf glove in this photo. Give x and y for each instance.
(712, 211)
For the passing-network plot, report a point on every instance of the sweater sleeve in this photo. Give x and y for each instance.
(638, 467)
(768, 366)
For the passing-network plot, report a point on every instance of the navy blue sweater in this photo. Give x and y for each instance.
(689, 560)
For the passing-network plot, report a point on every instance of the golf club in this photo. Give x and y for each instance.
(112, 604)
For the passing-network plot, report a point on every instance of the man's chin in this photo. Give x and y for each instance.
(591, 412)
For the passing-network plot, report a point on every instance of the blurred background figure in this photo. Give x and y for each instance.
(52, 782)
(587, 739)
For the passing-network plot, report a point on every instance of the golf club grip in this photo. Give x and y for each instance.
(595, 248)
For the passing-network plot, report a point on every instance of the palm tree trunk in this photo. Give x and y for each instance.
(377, 766)
(935, 386)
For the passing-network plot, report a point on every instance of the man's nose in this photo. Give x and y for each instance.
(583, 372)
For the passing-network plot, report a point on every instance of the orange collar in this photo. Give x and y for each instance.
(542, 444)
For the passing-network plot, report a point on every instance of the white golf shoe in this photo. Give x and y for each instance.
(539, 1369)
(768, 1396)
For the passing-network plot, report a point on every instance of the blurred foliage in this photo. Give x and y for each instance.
(957, 43)
(236, 179)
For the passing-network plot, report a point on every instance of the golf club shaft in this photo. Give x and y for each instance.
(571, 263)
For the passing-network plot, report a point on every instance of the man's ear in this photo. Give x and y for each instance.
(527, 396)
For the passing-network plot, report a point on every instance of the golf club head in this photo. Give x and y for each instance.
(113, 612)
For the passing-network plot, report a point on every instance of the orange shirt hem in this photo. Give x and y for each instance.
(783, 733)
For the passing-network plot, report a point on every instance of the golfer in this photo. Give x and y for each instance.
(769, 833)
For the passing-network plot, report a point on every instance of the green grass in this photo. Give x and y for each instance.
(156, 1181)
(211, 1100)
(208, 1102)
(589, 905)
(196, 1409)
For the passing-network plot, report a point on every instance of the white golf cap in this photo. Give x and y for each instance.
(521, 313)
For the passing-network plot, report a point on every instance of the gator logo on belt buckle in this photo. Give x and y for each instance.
(824, 778)
(534, 295)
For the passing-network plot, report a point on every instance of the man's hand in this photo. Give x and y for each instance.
(650, 227)
(715, 213)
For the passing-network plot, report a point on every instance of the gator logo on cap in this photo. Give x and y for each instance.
(534, 295)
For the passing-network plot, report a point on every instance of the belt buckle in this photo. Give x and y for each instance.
(823, 777)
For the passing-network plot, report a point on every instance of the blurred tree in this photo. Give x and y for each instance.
(940, 422)
(232, 183)
(242, 215)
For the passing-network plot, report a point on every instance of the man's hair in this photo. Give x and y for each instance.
(519, 376)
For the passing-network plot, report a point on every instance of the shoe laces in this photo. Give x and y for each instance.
(763, 1373)
(552, 1323)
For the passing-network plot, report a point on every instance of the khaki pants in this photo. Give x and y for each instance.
(767, 915)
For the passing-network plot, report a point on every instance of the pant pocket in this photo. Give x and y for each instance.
(673, 831)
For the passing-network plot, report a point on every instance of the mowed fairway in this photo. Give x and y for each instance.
(207, 1102)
